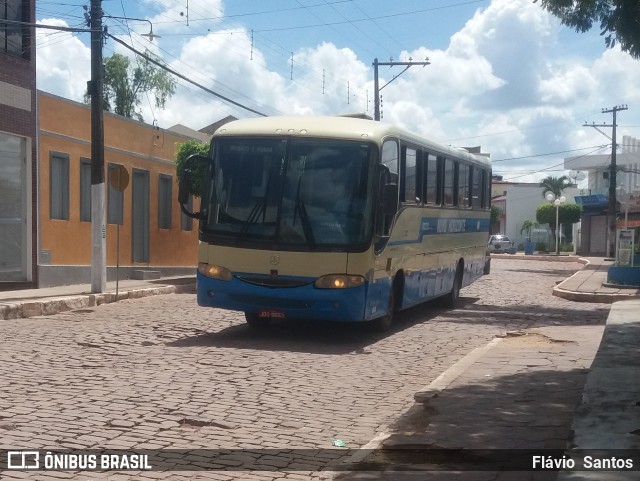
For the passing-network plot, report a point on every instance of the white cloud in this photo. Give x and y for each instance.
(63, 63)
(503, 82)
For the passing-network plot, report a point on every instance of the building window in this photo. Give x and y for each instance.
(59, 186)
(14, 38)
(115, 200)
(186, 222)
(85, 190)
(164, 201)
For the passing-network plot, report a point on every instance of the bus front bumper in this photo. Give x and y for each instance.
(300, 302)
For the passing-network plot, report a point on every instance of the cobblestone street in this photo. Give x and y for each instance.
(161, 372)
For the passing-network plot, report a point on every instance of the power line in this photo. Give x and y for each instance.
(393, 15)
(183, 77)
(557, 165)
(137, 52)
(550, 153)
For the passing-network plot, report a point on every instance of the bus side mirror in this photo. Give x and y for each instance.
(390, 195)
(183, 187)
(185, 184)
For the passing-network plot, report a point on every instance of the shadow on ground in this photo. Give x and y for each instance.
(485, 430)
(342, 338)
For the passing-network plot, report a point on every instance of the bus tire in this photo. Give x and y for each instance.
(256, 321)
(384, 323)
(487, 266)
(450, 300)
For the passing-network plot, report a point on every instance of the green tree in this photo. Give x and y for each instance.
(619, 19)
(495, 215)
(185, 150)
(527, 225)
(567, 214)
(555, 185)
(125, 84)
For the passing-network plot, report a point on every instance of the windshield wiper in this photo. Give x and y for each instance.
(259, 208)
(304, 218)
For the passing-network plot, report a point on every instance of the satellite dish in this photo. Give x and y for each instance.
(577, 175)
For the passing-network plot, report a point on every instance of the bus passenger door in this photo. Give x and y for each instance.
(386, 209)
(387, 192)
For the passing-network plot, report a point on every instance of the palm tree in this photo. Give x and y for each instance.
(555, 185)
(527, 226)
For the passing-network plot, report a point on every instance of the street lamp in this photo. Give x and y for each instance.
(623, 197)
(552, 198)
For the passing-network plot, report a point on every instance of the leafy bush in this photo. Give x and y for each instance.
(566, 247)
(541, 246)
(197, 177)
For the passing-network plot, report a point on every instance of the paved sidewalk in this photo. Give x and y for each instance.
(589, 284)
(532, 390)
(52, 300)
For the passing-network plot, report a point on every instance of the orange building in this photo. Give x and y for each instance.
(154, 236)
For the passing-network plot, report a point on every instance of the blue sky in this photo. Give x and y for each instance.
(504, 74)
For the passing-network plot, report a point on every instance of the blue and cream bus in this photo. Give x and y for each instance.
(336, 218)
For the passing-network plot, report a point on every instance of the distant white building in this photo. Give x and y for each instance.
(595, 198)
(518, 202)
(597, 167)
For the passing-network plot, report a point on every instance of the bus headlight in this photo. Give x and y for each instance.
(215, 272)
(338, 281)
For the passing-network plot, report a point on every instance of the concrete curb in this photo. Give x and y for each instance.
(541, 257)
(596, 297)
(55, 305)
(591, 296)
(445, 379)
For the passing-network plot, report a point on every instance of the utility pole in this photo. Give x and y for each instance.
(377, 89)
(611, 210)
(98, 225)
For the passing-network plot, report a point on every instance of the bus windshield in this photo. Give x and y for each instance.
(290, 193)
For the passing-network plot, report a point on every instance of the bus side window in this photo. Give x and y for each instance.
(390, 159)
(421, 160)
(448, 182)
(408, 177)
(388, 177)
(431, 181)
(476, 187)
(486, 189)
(463, 185)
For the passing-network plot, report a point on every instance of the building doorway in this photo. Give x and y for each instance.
(14, 245)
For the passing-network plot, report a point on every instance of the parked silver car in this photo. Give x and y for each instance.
(501, 244)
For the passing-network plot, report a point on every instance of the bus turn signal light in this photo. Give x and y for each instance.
(339, 281)
(215, 272)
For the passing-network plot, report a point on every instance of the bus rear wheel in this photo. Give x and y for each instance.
(255, 321)
(450, 300)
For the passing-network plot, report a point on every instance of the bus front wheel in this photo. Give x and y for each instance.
(384, 323)
(254, 320)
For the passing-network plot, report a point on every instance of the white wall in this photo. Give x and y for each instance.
(521, 204)
(597, 167)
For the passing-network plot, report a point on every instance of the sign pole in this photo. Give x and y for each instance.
(119, 180)
(118, 248)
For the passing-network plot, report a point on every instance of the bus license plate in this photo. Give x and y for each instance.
(271, 314)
